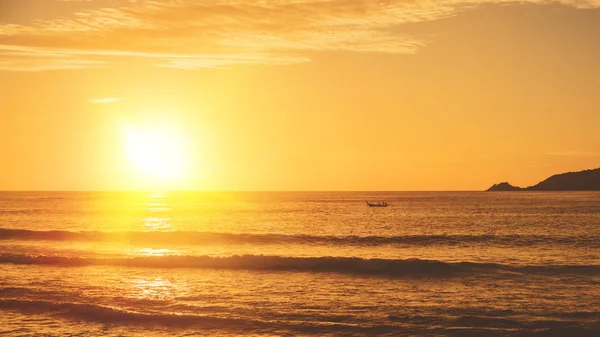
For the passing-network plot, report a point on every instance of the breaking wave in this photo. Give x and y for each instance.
(200, 238)
(346, 265)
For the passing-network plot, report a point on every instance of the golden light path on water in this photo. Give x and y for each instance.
(153, 251)
(157, 205)
(159, 208)
(157, 288)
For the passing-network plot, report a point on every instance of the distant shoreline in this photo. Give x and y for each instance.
(587, 180)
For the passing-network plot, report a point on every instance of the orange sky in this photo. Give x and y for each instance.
(299, 95)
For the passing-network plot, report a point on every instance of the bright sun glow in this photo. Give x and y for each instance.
(158, 153)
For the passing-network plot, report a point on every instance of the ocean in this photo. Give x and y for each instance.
(299, 264)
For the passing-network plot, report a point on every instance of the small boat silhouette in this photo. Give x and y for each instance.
(378, 204)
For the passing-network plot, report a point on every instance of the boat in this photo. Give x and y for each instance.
(378, 204)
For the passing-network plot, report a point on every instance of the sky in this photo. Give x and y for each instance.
(296, 95)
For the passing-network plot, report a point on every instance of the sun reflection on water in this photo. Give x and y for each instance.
(157, 217)
(152, 224)
(153, 252)
(156, 288)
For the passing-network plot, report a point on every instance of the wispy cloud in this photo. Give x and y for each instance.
(104, 100)
(192, 34)
(573, 154)
(36, 60)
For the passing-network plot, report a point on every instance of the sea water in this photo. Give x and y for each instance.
(299, 263)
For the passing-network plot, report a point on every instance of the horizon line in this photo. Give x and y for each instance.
(233, 191)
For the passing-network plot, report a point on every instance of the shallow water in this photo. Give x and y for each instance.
(433, 263)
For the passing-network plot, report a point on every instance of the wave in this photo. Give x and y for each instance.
(109, 314)
(114, 315)
(455, 326)
(199, 238)
(346, 265)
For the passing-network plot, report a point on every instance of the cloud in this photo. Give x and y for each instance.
(193, 34)
(39, 60)
(105, 100)
(208, 61)
(573, 154)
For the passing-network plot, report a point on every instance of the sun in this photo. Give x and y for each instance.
(157, 152)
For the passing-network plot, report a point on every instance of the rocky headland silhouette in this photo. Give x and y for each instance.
(588, 180)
